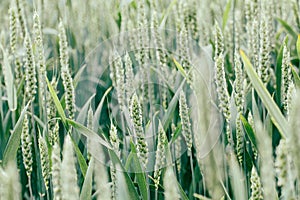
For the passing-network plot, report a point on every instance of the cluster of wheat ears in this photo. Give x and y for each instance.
(150, 99)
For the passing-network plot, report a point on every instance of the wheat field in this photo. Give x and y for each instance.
(150, 99)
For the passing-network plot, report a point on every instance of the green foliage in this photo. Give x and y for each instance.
(149, 99)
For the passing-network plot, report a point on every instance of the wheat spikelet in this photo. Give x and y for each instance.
(89, 125)
(18, 71)
(239, 95)
(68, 174)
(177, 146)
(284, 171)
(12, 30)
(114, 140)
(251, 122)
(160, 154)
(10, 187)
(45, 164)
(239, 140)
(286, 78)
(70, 92)
(55, 172)
(129, 77)
(263, 69)
(219, 41)
(256, 188)
(30, 70)
(254, 33)
(137, 121)
(63, 45)
(293, 141)
(171, 190)
(41, 65)
(101, 180)
(142, 55)
(51, 114)
(266, 162)
(120, 81)
(65, 72)
(21, 17)
(113, 176)
(185, 122)
(281, 163)
(26, 147)
(222, 93)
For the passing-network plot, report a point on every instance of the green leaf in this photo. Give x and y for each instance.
(201, 197)
(255, 110)
(86, 191)
(57, 103)
(9, 82)
(296, 77)
(278, 72)
(81, 161)
(180, 68)
(13, 144)
(129, 161)
(78, 75)
(277, 117)
(298, 46)
(140, 175)
(88, 133)
(176, 134)
(237, 178)
(83, 112)
(97, 113)
(226, 14)
(181, 192)
(249, 131)
(288, 28)
(171, 108)
(165, 13)
(132, 193)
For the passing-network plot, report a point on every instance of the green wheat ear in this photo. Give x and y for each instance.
(129, 77)
(26, 147)
(55, 172)
(41, 61)
(219, 41)
(137, 121)
(239, 93)
(171, 189)
(68, 174)
(256, 187)
(12, 30)
(21, 17)
(293, 140)
(281, 163)
(264, 63)
(120, 81)
(185, 122)
(177, 147)
(101, 181)
(222, 92)
(239, 140)
(10, 187)
(45, 164)
(114, 140)
(53, 125)
(65, 72)
(286, 80)
(160, 156)
(284, 171)
(30, 70)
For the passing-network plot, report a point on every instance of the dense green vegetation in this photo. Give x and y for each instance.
(149, 99)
